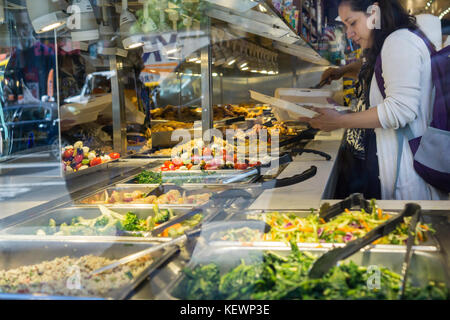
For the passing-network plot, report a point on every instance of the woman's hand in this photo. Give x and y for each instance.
(327, 120)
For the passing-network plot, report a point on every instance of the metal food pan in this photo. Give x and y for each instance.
(65, 215)
(17, 253)
(201, 176)
(156, 190)
(100, 197)
(234, 215)
(424, 267)
(90, 170)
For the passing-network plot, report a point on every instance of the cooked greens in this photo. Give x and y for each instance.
(149, 177)
(279, 277)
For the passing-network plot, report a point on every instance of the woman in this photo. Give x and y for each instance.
(406, 69)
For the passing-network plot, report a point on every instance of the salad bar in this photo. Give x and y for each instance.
(184, 228)
(205, 243)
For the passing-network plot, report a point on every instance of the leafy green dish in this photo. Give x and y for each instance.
(179, 178)
(279, 277)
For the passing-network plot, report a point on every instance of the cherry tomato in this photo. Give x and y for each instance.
(167, 163)
(164, 169)
(189, 166)
(114, 155)
(95, 161)
(67, 154)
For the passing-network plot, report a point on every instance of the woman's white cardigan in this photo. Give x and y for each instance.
(406, 68)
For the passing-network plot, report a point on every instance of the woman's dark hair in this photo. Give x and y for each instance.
(393, 18)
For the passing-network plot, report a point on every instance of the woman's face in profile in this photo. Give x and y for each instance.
(356, 23)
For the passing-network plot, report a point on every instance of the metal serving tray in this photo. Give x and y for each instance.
(30, 227)
(156, 190)
(208, 176)
(425, 266)
(90, 170)
(429, 245)
(17, 253)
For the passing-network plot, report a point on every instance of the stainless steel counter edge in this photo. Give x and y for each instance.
(310, 193)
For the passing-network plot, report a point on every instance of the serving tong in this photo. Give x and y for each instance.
(357, 199)
(188, 236)
(330, 259)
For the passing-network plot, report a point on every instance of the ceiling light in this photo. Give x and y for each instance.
(231, 62)
(129, 29)
(83, 23)
(262, 8)
(171, 51)
(46, 15)
(444, 13)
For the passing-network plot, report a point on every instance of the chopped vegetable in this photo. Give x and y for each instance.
(112, 223)
(348, 226)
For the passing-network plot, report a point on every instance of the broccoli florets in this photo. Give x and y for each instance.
(131, 222)
(162, 216)
(101, 222)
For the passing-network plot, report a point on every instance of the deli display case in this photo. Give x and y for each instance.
(129, 126)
